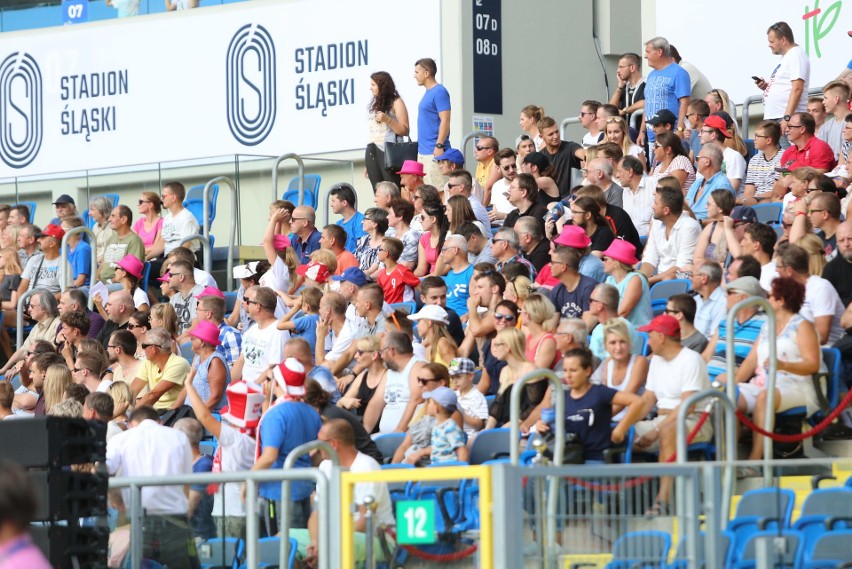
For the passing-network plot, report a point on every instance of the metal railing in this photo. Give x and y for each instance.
(731, 367)
(205, 248)
(563, 126)
(63, 255)
(469, 137)
(233, 226)
(328, 506)
(301, 175)
(752, 99)
(19, 336)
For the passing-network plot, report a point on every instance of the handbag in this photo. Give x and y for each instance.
(572, 452)
(396, 153)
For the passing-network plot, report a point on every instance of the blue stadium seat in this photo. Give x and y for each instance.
(791, 558)
(751, 150)
(760, 509)
(146, 273)
(221, 552)
(646, 349)
(832, 549)
(824, 509)
(407, 307)
(186, 351)
(681, 561)
(194, 202)
(827, 386)
(312, 186)
(269, 551)
(388, 443)
(32, 208)
(661, 292)
(490, 445)
(644, 549)
(230, 301)
(769, 213)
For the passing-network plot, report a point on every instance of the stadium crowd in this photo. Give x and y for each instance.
(417, 315)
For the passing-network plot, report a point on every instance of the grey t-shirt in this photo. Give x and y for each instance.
(697, 342)
(44, 274)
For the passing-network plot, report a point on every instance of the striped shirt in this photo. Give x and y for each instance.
(761, 172)
(745, 335)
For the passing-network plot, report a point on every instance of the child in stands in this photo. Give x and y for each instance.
(305, 325)
(448, 439)
(397, 281)
(471, 400)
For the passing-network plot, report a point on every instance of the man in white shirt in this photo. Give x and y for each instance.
(587, 116)
(638, 195)
(263, 343)
(785, 92)
(675, 374)
(711, 299)
(149, 449)
(506, 160)
(672, 240)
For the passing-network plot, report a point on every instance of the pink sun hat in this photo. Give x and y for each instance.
(207, 332)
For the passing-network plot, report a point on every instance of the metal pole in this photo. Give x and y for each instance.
(20, 316)
(233, 229)
(63, 262)
(205, 247)
(371, 505)
(252, 531)
(730, 357)
(565, 123)
(301, 165)
(689, 519)
(136, 531)
(470, 136)
(284, 523)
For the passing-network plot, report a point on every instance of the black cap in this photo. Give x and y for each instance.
(663, 116)
(64, 199)
(538, 159)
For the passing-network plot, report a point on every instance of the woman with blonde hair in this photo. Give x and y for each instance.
(359, 396)
(10, 265)
(56, 379)
(617, 133)
(718, 100)
(164, 316)
(149, 226)
(432, 323)
(816, 253)
(9, 237)
(530, 115)
(508, 346)
(622, 370)
(539, 315)
(518, 290)
(282, 259)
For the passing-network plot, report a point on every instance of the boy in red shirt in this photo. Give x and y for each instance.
(397, 281)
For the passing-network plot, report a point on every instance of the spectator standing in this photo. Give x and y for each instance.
(629, 94)
(433, 120)
(667, 87)
(387, 120)
(564, 155)
(785, 92)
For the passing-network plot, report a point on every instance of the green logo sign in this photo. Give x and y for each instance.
(415, 522)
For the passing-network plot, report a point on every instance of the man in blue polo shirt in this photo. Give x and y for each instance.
(343, 203)
(305, 237)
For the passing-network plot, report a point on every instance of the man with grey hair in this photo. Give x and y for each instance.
(454, 254)
(572, 333)
(385, 192)
(603, 305)
(478, 247)
(599, 172)
(638, 195)
(43, 309)
(505, 248)
(667, 87)
(26, 242)
(535, 248)
(460, 183)
(711, 299)
(162, 372)
(303, 224)
(710, 177)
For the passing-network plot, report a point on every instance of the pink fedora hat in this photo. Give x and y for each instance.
(412, 167)
(211, 291)
(573, 236)
(622, 251)
(207, 332)
(131, 266)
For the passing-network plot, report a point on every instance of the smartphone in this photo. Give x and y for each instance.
(756, 79)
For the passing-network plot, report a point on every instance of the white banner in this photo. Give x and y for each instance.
(265, 78)
(726, 39)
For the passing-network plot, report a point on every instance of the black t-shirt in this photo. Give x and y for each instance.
(540, 255)
(590, 418)
(536, 210)
(839, 273)
(563, 161)
(363, 441)
(493, 366)
(601, 238)
(572, 304)
(829, 244)
(624, 227)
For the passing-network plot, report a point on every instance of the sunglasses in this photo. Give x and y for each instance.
(134, 326)
(143, 201)
(506, 317)
(478, 147)
(146, 346)
(425, 380)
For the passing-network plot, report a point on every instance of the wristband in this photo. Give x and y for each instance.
(801, 213)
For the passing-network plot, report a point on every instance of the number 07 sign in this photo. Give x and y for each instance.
(415, 522)
(75, 11)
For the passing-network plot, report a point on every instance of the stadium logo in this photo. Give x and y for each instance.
(21, 122)
(251, 84)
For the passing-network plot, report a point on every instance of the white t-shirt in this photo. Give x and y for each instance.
(262, 347)
(676, 250)
(176, 227)
(668, 380)
(45, 274)
(640, 205)
(204, 278)
(277, 278)
(821, 299)
(733, 164)
(378, 490)
(237, 455)
(498, 196)
(768, 272)
(472, 404)
(140, 297)
(794, 65)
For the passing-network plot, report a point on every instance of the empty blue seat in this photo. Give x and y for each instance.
(388, 443)
(312, 185)
(644, 549)
(194, 202)
(769, 213)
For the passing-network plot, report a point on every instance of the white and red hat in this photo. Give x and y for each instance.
(245, 404)
(290, 375)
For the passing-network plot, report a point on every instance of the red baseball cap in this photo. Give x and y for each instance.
(51, 230)
(665, 324)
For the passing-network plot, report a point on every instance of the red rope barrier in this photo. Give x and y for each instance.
(420, 554)
(802, 436)
(637, 481)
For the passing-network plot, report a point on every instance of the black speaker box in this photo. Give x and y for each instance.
(51, 442)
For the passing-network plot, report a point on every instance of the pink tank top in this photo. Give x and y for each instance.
(431, 252)
(531, 350)
(148, 237)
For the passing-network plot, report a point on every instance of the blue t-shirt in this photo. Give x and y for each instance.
(354, 230)
(202, 518)
(446, 438)
(590, 418)
(435, 100)
(718, 181)
(663, 88)
(306, 328)
(80, 259)
(458, 289)
(572, 304)
(286, 426)
(592, 267)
